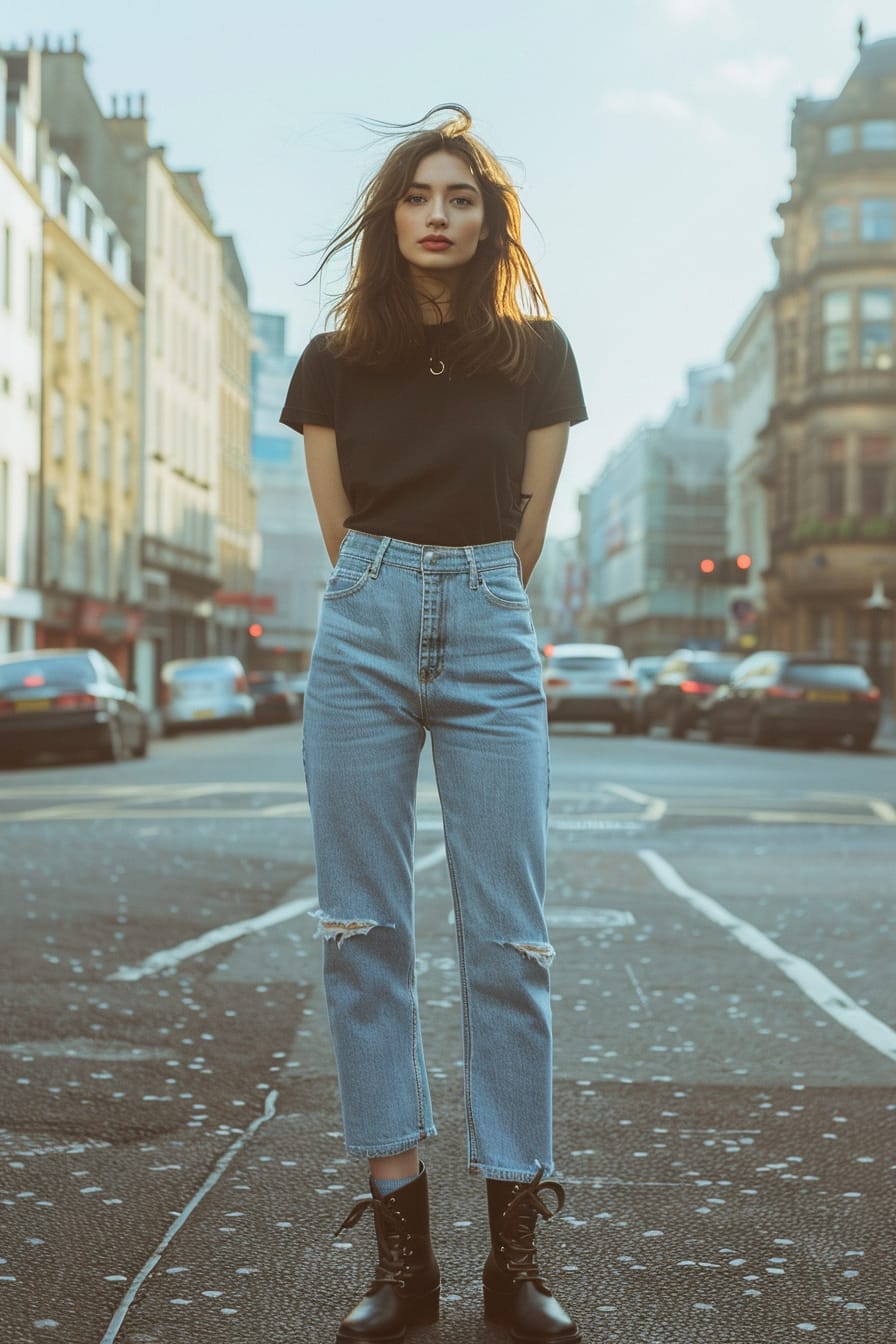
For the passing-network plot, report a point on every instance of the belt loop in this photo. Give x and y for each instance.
(378, 558)
(474, 573)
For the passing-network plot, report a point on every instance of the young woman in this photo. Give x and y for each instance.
(435, 419)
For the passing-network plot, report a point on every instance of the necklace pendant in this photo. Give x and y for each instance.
(436, 366)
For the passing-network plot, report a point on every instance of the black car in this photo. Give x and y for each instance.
(775, 695)
(275, 701)
(681, 690)
(63, 701)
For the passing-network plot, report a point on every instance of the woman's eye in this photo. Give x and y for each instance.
(413, 199)
(461, 200)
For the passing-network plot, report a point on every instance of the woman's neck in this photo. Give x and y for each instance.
(436, 299)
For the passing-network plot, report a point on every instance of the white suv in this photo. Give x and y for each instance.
(590, 682)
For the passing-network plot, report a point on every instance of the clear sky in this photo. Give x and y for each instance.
(650, 139)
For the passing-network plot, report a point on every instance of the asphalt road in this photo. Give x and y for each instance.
(726, 1050)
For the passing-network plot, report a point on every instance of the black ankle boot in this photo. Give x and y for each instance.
(515, 1293)
(405, 1288)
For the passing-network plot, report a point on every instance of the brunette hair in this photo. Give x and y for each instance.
(378, 319)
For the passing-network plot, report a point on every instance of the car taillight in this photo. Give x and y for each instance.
(241, 685)
(75, 700)
(873, 693)
(784, 692)
(624, 681)
(696, 687)
(556, 681)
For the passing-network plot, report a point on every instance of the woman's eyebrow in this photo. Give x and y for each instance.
(452, 186)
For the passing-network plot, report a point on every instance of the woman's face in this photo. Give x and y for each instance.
(440, 220)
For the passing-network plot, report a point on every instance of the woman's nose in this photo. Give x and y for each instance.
(437, 213)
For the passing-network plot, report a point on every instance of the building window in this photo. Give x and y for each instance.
(127, 364)
(875, 478)
(6, 276)
(57, 425)
(105, 450)
(836, 318)
(102, 576)
(106, 349)
(32, 298)
(837, 223)
(877, 220)
(124, 567)
(876, 333)
(126, 454)
(58, 308)
(80, 568)
(84, 329)
(834, 477)
(83, 438)
(840, 139)
(55, 542)
(879, 135)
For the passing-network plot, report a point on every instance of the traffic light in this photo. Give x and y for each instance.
(727, 569)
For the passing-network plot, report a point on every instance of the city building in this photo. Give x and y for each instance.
(751, 357)
(239, 545)
(21, 250)
(830, 443)
(90, 471)
(658, 507)
(294, 563)
(177, 267)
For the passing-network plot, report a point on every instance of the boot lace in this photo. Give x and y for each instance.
(517, 1239)
(391, 1239)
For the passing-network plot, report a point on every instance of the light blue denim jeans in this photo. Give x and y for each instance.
(415, 639)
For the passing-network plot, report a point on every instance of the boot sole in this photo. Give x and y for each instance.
(418, 1311)
(499, 1311)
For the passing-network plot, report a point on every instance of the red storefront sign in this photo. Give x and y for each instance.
(262, 604)
(108, 621)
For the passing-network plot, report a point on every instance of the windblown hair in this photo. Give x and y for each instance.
(378, 319)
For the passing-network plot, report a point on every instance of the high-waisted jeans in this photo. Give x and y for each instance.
(440, 639)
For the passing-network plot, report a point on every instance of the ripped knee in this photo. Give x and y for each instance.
(543, 953)
(338, 930)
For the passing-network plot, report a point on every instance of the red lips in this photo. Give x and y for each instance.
(436, 240)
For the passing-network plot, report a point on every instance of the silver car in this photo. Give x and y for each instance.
(590, 682)
(198, 691)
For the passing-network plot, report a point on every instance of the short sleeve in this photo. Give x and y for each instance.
(310, 397)
(557, 391)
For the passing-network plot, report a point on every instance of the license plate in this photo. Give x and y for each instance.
(30, 706)
(829, 697)
(203, 713)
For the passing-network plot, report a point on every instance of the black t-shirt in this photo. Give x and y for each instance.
(430, 459)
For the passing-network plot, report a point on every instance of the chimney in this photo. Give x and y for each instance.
(143, 104)
(76, 42)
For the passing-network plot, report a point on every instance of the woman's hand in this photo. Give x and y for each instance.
(545, 451)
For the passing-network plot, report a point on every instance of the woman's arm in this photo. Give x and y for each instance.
(327, 490)
(545, 451)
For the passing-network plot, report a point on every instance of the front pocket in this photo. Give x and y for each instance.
(503, 588)
(347, 578)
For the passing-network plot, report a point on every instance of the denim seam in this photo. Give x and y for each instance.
(472, 1137)
(391, 1149)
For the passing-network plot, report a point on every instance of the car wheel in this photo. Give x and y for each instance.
(861, 741)
(760, 733)
(714, 729)
(142, 748)
(112, 749)
(674, 725)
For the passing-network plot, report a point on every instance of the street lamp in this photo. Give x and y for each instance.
(876, 605)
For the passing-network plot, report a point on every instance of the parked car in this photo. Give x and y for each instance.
(644, 669)
(275, 701)
(202, 691)
(64, 701)
(775, 695)
(681, 691)
(590, 682)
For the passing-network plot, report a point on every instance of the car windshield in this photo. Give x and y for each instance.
(46, 672)
(849, 676)
(714, 674)
(615, 667)
(201, 671)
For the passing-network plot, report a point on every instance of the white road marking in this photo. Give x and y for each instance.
(633, 796)
(228, 933)
(886, 811)
(223, 1162)
(813, 983)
